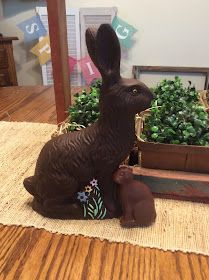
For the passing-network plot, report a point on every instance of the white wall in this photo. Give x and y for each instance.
(1, 11)
(170, 32)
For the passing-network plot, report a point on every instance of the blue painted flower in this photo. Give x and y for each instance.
(82, 197)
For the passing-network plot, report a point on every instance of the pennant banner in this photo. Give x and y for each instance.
(33, 28)
(89, 70)
(124, 31)
(72, 62)
(42, 50)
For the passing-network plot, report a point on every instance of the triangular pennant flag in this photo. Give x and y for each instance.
(72, 62)
(89, 70)
(33, 28)
(42, 50)
(124, 31)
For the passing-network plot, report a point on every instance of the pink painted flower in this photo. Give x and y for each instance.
(94, 183)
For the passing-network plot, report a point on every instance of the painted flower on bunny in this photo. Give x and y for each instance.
(94, 183)
(88, 189)
(82, 197)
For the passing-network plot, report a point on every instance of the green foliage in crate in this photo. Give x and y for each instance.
(85, 110)
(176, 116)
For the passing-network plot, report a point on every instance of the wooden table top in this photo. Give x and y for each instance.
(29, 253)
(32, 104)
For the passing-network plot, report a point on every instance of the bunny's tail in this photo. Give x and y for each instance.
(29, 185)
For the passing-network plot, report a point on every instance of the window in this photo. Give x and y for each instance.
(77, 23)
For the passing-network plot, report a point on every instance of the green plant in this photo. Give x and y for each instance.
(97, 83)
(85, 110)
(176, 116)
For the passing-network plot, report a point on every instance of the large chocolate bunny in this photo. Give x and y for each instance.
(70, 161)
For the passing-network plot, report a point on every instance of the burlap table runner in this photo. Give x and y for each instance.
(179, 226)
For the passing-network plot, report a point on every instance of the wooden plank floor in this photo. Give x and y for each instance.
(28, 253)
(33, 104)
(37, 254)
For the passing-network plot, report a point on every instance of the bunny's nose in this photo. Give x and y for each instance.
(151, 95)
(148, 94)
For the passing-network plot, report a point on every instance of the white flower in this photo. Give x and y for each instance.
(94, 183)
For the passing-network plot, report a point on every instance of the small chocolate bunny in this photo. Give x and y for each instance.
(69, 162)
(137, 202)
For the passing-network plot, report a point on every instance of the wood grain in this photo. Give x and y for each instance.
(29, 253)
(138, 69)
(8, 76)
(42, 255)
(59, 52)
(31, 103)
(34, 104)
(172, 69)
(8, 39)
(171, 174)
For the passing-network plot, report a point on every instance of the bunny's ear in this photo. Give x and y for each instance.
(108, 53)
(91, 43)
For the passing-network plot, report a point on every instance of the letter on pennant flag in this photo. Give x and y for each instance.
(42, 50)
(124, 31)
(33, 28)
(72, 62)
(89, 70)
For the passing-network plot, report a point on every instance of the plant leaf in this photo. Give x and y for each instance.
(91, 215)
(96, 206)
(84, 210)
(91, 206)
(103, 216)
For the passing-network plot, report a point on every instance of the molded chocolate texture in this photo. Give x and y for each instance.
(69, 162)
(138, 208)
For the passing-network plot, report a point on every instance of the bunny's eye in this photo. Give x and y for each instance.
(134, 91)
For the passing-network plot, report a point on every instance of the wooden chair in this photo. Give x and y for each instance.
(137, 70)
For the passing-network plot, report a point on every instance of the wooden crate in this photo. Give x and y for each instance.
(175, 184)
(170, 156)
